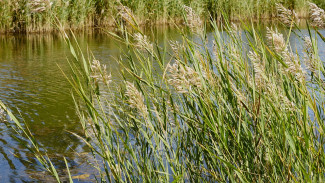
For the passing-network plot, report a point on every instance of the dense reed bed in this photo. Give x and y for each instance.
(44, 15)
(242, 110)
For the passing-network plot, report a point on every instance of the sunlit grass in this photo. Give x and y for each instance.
(240, 110)
(247, 111)
(44, 15)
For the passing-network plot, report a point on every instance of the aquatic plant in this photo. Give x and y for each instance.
(193, 20)
(135, 99)
(125, 13)
(99, 72)
(316, 15)
(38, 6)
(244, 111)
(44, 15)
(183, 78)
(142, 42)
(277, 42)
(286, 16)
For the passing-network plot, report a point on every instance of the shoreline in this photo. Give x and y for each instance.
(172, 23)
(25, 18)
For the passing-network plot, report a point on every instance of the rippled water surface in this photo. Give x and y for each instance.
(32, 84)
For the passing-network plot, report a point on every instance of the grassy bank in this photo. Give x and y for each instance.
(43, 15)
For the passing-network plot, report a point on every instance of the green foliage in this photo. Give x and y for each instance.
(241, 110)
(320, 3)
(204, 116)
(20, 15)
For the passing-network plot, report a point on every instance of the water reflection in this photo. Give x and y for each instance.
(32, 84)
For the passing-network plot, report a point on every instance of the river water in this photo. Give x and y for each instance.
(33, 86)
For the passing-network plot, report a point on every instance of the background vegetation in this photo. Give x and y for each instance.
(43, 15)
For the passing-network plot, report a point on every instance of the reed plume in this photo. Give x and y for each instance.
(125, 13)
(316, 15)
(275, 40)
(38, 6)
(99, 73)
(142, 42)
(286, 16)
(135, 99)
(183, 78)
(176, 47)
(278, 44)
(259, 69)
(193, 21)
(309, 59)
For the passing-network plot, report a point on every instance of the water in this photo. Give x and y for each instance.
(32, 83)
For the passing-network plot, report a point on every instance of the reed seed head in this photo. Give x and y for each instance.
(38, 6)
(99, 73)
(240, 94)
(125, 13)
(275, 92)
(309, 59)
(316, 15)
(142, 42)
(275, 40)
(295, 68)
(287, 104)
(307, 43)
(235, 29)
(259, 69)
(183, 78)
(176, 46)
(193, 21)
(286, 16)
(135, 99)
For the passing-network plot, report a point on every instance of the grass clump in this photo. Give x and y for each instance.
(237, 106)
(207, 109)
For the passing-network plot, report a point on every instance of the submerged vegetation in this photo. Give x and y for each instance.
(43, 15)
(239, 106)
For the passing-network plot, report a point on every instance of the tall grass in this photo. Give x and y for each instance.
(248, 110)
(43, 15)
(242, 107)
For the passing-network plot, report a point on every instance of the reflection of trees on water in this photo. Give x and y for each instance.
(31, 81)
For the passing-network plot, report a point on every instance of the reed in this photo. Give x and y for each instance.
(190, 113)
(235, 113)
(44, 15)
